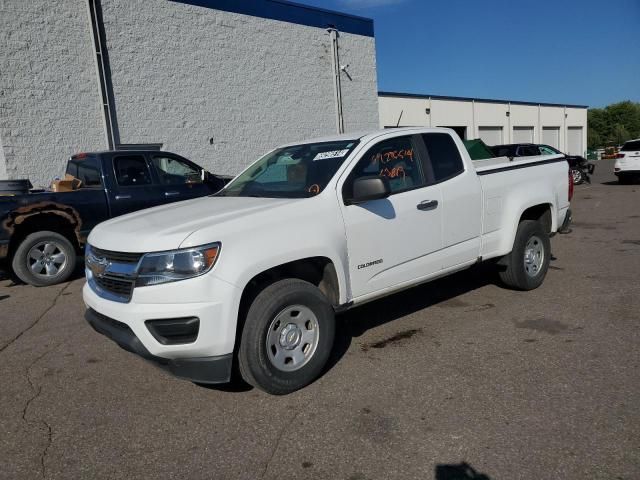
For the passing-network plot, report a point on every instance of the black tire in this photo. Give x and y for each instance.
(254, 358)
(62, 248)
(578, 176)
(516, 271)
(624, 179)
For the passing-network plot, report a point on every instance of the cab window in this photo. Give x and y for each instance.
(173, 171)
(131, 171)
(87, 170)
(443, 156)
(544, 150)
(528, 151)
(397, 159)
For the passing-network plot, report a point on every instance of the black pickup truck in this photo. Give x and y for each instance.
(41, 231)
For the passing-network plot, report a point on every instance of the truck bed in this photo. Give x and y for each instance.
(490, 164)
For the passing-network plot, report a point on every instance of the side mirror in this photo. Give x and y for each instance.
(370, 188)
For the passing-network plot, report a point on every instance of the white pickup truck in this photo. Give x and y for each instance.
(253, 276)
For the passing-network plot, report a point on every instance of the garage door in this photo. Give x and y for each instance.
(574, 141)
(551, 136)
(491, 135)
(522, 134)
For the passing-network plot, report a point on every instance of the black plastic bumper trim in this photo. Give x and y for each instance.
(174, 331)
(198, 369)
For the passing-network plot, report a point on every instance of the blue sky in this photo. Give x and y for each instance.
(580, 52)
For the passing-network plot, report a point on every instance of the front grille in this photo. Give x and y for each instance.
(117, 286)
(116, 257)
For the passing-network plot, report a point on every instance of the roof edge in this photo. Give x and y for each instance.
(291, 12)
(473, 99)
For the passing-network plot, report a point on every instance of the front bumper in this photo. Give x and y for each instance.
(215, 369)
(210, 300)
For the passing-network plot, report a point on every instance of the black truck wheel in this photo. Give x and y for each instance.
(287, 337)
(527, 264)
(44, 258)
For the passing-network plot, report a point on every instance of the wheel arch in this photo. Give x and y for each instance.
(53, 220)
(319, 270)
(543, 211)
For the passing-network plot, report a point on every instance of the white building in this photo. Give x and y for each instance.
(218, 81)
(494, 121)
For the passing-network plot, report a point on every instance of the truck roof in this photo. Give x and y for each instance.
(80, 155)
(366, 135)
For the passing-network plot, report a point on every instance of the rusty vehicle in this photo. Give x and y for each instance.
(43, 231)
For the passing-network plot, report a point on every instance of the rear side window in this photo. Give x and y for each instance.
(131, 170)
(396, 159)
(632, 146)
(89, 172)
(444, 156)
(72, 168)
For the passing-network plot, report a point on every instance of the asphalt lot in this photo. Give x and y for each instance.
(533, 385)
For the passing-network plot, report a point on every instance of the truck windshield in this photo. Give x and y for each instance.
(297, 171)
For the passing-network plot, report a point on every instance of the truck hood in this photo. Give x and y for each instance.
(166, 227)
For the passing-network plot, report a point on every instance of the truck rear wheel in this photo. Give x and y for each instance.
(287, 337)
(527, 264)
(44, 258)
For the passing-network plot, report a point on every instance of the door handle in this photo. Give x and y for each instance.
(123, 197)
(171, 194)
(427, 205)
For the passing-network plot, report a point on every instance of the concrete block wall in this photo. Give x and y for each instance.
(49, 102)
(222, 88)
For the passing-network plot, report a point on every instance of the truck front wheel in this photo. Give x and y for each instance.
(527, 264)
(44, 258)
(287, 337)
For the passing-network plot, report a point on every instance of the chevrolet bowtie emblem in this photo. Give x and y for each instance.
(97, 265)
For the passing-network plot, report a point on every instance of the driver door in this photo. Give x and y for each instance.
(395, 240)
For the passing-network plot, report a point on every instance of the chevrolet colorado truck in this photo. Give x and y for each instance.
(42, 231)
(254, 275)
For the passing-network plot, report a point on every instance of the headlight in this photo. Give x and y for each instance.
(163, 267)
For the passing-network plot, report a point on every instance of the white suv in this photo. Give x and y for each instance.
(627, 163)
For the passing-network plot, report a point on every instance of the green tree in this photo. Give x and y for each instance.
(613, 124)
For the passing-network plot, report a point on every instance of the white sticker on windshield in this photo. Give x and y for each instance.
(333, 154)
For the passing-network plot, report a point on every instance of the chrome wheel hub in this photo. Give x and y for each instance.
(46, 259)
(533, 256)
(292, 338)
